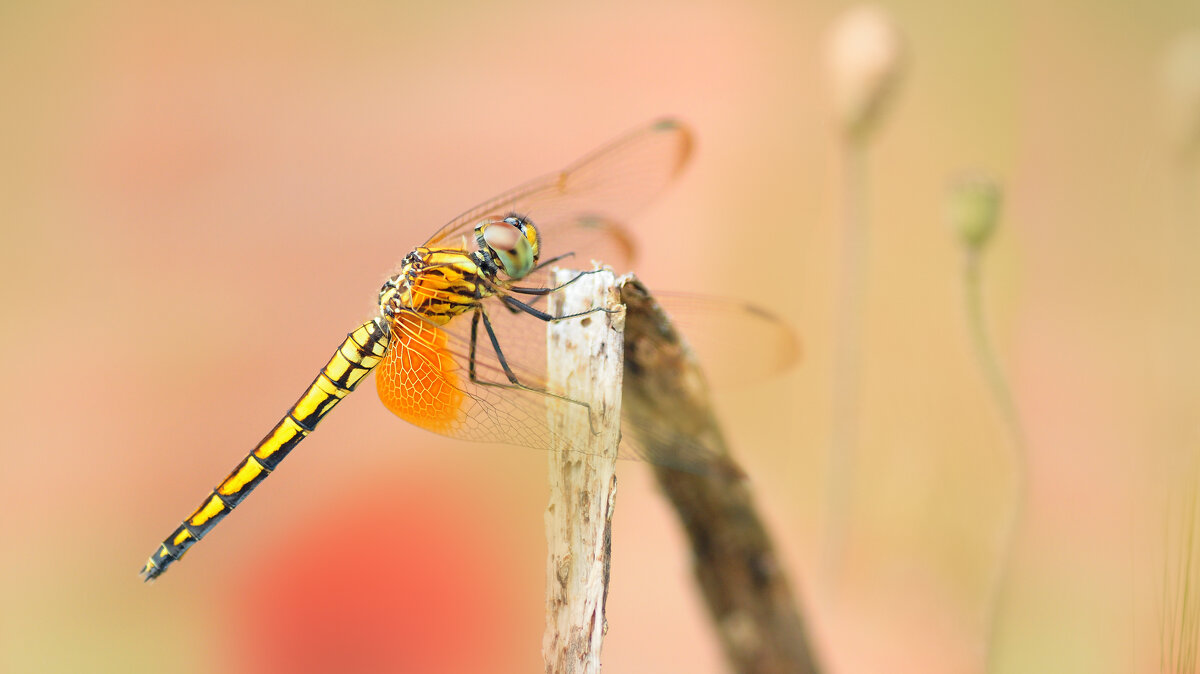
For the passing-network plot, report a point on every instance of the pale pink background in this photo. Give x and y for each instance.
(196, 203)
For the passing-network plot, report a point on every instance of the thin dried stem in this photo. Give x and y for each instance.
(1002, 397)
(843, 438)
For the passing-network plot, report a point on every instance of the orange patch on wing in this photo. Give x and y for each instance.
(418, 378)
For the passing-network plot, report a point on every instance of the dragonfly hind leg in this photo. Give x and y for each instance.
(514, 382)
(547, 291)
(516, 305)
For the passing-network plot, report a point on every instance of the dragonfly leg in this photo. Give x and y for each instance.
(556, 258)
(539, 293)
(515, 383)
(515, 304)
(547, 291)
(471, 356)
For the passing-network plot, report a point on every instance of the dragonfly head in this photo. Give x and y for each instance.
(511, 243)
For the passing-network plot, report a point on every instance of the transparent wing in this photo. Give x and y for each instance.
(442, 379)
(591, 196)
(487, 407)
(736, 342)
(431, 379)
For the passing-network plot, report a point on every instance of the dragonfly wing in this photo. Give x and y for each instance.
(736, 342)
(430, 379)
(426, 380)
(604, 188)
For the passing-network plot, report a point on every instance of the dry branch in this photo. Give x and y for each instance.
(585, 364)
(740, 575)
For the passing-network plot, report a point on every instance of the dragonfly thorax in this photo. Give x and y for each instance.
(389, 293)
(437, 284)
(511, 245)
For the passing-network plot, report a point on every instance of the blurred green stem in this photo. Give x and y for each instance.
(843, 443)
(1179, 617)
(1002, 398)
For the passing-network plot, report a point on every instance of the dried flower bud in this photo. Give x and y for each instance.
(864, 58)
(1180, 80)
(973, 209)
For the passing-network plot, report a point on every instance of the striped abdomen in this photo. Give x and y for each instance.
(359, 353)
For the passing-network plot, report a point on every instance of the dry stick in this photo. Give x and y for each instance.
(739, 573)
(585, 364)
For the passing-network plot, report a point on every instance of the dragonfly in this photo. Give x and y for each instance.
(454, 344)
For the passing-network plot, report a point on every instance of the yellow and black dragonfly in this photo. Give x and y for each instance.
(482, 377)
(456, 376)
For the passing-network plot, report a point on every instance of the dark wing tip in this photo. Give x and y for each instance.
(790, 348)
(687, 140)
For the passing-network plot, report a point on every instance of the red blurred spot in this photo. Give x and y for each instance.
(394, 579)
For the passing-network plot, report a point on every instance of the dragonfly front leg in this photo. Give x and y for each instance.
(556, 258)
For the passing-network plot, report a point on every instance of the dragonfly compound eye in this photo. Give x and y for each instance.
(511, 248)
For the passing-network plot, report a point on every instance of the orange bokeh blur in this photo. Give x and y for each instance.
(380, 581)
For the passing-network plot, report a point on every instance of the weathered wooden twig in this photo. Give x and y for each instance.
(585, 364)
(741, 577)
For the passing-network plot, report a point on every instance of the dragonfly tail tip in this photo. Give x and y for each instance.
(149, 572)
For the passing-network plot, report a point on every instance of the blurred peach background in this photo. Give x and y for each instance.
(196, 203)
